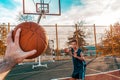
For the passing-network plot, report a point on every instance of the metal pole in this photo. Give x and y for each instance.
(95, 39)
(41, 11)
(39, 18)
(57, 49)
(23, 6)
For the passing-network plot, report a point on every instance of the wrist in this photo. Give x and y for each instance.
(7, 64)
(76, 57)
(10, 62)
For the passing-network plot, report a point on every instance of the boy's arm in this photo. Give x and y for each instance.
(81, 57)
(68, 51)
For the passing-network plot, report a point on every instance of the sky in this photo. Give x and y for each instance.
(99, 12)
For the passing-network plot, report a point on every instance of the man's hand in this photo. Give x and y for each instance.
(13, 55)
(14, 51)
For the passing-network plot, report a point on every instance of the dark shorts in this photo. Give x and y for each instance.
(79, 72)
(76, 75)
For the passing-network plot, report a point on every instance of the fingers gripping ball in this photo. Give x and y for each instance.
(32, 36)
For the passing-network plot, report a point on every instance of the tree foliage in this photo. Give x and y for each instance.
(79, 35)
(111, 42)
(2, 48)
(25, 18)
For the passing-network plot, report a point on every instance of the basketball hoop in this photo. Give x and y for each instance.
(42, 8)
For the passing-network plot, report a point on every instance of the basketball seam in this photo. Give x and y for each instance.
(42, 37)
(41, 42)
(32, 35)
(29, 40)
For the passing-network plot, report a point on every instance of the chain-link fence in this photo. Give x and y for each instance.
(99, 41)
(95, 38)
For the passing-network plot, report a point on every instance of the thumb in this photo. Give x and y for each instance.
(30, 53)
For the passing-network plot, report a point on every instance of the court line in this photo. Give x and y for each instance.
(94, 74)
(61, 78)
(105, 73)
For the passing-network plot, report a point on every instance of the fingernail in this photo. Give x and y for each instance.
(19, 29)
(35, 51)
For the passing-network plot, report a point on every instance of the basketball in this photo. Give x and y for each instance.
(32, 36)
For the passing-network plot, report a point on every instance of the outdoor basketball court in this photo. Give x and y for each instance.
(105, 69)
(100, 68)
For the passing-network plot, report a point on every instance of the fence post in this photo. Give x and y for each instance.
(57, 49)
(8, 27)
(95, 39)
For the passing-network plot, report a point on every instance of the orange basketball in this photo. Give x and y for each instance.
(32, 36)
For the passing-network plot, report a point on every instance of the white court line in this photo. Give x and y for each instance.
(61, 78)
(101, 72)
(94, 74)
